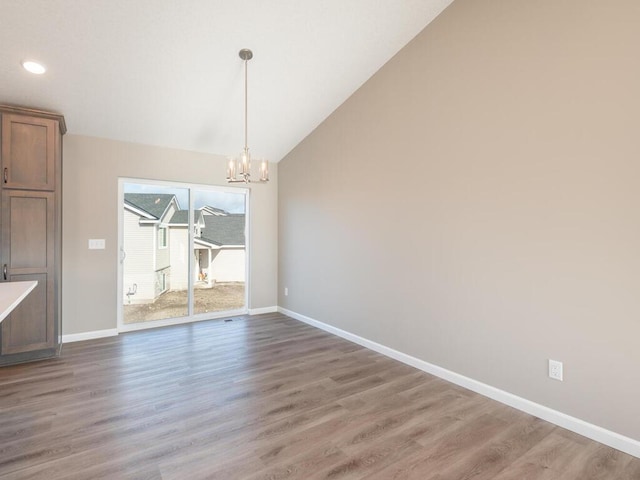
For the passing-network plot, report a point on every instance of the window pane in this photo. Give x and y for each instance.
(156, 247)
(219, 249)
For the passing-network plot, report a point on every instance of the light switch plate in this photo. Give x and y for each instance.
(97, 244)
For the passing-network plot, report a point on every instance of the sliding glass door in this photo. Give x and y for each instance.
(183, 253)
(220, 251)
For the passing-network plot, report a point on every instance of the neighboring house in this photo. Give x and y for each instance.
(156, 245)
(221, 247)
(147, 265)
(179, 246)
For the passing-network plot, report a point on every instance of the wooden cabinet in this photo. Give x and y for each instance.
(30, 230)
(29, 152)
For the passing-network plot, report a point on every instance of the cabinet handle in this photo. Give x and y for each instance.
(6, 174)
(4, 271)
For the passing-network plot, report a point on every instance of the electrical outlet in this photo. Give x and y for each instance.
(555, 370)
(286, 291)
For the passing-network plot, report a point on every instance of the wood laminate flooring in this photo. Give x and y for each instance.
(267, 397)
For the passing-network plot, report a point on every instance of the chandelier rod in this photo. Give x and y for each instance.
(246, 102)
(246, 55)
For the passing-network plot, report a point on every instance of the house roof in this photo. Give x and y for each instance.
(221, 228)
(207, 209)
(181, 217)
(154, 204)
(224, 229)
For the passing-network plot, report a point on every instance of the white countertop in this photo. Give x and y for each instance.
(11, 294)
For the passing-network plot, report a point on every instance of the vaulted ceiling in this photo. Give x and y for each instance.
(167, 72)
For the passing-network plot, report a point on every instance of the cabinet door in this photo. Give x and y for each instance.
(28, 233)
(28, 152)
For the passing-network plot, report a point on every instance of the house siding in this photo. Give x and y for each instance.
(179, 258)
(163, 257)
(138, 263)
(228, 265)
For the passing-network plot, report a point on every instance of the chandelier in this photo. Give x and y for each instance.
(239, 168)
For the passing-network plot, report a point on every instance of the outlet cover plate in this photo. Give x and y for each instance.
(555, 370)
(97, 244)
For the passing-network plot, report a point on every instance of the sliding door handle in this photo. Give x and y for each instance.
(4, 271)
(6, 174)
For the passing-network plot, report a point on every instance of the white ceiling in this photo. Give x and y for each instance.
(167, 72)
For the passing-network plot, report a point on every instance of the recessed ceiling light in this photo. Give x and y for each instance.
(34, 67)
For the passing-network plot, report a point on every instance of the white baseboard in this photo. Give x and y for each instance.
(259, 311)
(589, 430)
(79, 337)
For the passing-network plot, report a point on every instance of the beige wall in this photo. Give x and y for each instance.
(91, 168)
(476, 204)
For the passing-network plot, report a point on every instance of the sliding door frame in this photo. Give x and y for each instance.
(191, 316)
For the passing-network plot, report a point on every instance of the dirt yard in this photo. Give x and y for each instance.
(222, 296)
